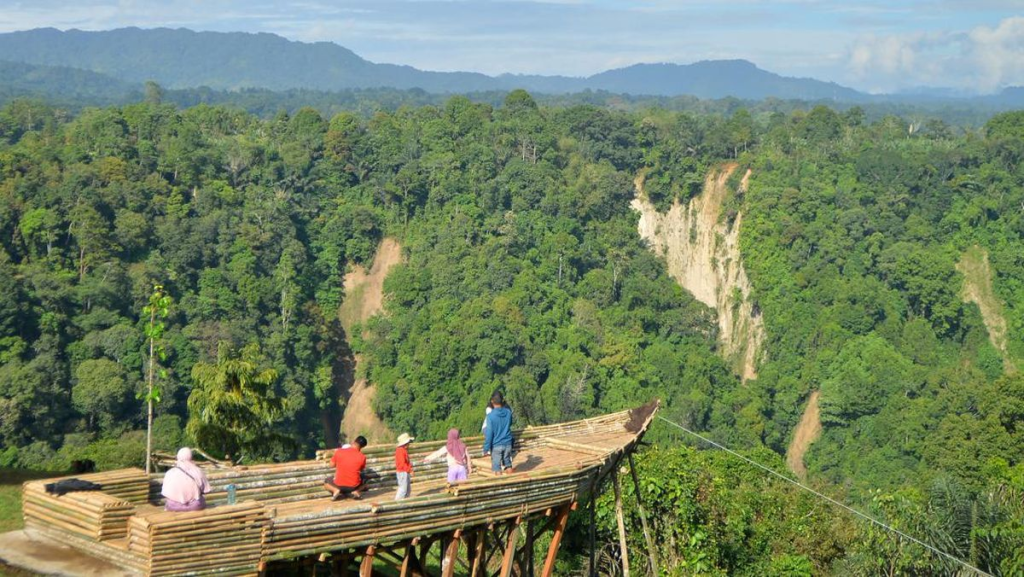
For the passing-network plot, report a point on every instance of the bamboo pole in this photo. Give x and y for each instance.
(573, 446)
(622, 525)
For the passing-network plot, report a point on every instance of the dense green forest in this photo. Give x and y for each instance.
(75, 89)
(524, 271)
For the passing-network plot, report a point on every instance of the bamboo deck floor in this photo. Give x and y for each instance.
(283, 512)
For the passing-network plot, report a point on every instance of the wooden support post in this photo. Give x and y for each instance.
(478, 565)
(510, 548)
(529, 548)
(471, 539)
(622, 524)
(339, 565)
(556, 541)
(593, 527)
(451, 555)
(411, 566)
(651, 553)
(526, 553)
(425, 551)
(366, 567)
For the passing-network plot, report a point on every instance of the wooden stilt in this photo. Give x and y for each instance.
(556, 541)
(409, 561)
(529, 548)
(451, 555)
(523, 557)
(424, 552)
(366, 567)
(471, 539)
(339, 565)
(651, 552)
(622, 525)
(479, 564)
(593, 528)
(510, 548)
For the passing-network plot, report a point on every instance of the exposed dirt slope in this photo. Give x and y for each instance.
(806, 432)
(703, 255)
(364, 297)
(977, 288)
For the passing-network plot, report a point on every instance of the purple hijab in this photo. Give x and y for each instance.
(456, 448)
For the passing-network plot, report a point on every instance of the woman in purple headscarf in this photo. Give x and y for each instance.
(459, 465)
(185, 484)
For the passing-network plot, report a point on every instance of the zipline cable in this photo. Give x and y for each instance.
(830, 500)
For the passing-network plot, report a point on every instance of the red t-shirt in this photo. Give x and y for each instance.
(348, 464)
(402, 463)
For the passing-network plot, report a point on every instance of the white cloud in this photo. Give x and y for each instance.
(998, 53)
(983, 59)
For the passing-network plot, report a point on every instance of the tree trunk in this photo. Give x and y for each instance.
(149, 400)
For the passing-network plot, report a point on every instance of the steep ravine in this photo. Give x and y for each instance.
(703, 255)
(364, 295)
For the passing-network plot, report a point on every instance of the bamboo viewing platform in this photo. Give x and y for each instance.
(283, 517)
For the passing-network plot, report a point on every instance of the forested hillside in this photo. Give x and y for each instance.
(523, 270)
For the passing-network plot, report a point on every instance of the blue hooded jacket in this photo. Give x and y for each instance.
(499, 429)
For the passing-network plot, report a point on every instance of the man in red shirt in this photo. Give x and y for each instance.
(349, 463)
(403, 467)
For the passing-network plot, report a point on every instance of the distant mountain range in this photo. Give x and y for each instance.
(181, 58)
(103, 65)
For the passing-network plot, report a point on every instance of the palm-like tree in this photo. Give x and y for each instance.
(232, 407)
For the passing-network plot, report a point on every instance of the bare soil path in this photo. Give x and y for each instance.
(807, 431)
(978, 289)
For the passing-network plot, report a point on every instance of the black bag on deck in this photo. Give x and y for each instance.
(69, 485)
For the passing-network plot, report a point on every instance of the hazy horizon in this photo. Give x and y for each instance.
(870, 46)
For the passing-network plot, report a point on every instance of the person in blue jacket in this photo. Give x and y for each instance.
(498, 435)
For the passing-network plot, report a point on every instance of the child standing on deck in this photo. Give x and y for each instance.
(403, 466)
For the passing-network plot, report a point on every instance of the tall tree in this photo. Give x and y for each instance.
(158, 308)
(232, 407)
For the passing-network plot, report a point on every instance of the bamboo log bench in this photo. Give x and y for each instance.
(283, 514)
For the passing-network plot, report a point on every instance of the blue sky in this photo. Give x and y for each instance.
(871, 45)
